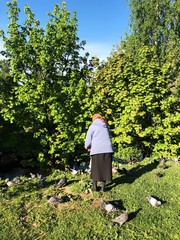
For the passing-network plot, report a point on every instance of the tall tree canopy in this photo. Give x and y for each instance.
(48, 81)
(139, 85)
(49, 91)
(155, 23)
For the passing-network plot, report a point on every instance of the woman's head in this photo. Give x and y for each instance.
(97, 116)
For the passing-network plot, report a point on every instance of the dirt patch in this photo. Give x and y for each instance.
(96, 203)
(87, 196)
(72, 204)
(67, 190)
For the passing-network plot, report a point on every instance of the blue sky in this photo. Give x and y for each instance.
(102, 23)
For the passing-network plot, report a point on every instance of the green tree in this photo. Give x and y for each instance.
(50, 79)
(137, 89)
(155, 23)
(135, 95)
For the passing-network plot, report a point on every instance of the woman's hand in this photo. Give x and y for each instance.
(88, 149)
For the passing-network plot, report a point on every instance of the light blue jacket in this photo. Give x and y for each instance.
(98, 138)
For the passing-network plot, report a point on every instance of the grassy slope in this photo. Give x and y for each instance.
(26, 214)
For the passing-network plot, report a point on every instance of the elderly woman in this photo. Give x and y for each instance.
(98, 143)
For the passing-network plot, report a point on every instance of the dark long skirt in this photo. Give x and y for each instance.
(101, 167)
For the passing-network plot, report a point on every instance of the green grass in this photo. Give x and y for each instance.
(25, 213)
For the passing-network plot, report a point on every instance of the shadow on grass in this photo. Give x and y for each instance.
(159, 199)
(118, 204)
(136, 172)
(132, 215)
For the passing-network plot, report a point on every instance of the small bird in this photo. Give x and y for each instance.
(122, 218)
(10, 183)
(39, 176)
(42, 181)
(153, 201)
(74, 171)
(114, 169)
(87, 170)
(17, 180)
(54, 200)
(32, 175)
(109, 207)
(62, 182)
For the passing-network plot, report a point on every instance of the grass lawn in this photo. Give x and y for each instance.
(26, 214)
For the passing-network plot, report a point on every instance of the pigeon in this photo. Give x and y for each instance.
(122, 218)
(62, 182)
(114, 169)
(153, 201)
(42, 181)
(32, 175)
(74, 171)
(109, 207)
(175, 159)
(17, 180)
(54, 200)
(87, 170)
(10, 183)
(39, 176)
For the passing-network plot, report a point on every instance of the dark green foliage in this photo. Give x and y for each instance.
(42, 97)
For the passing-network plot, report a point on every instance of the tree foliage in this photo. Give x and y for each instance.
(48, 90)
(155, 23)
(139, 84)
(48, 81)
